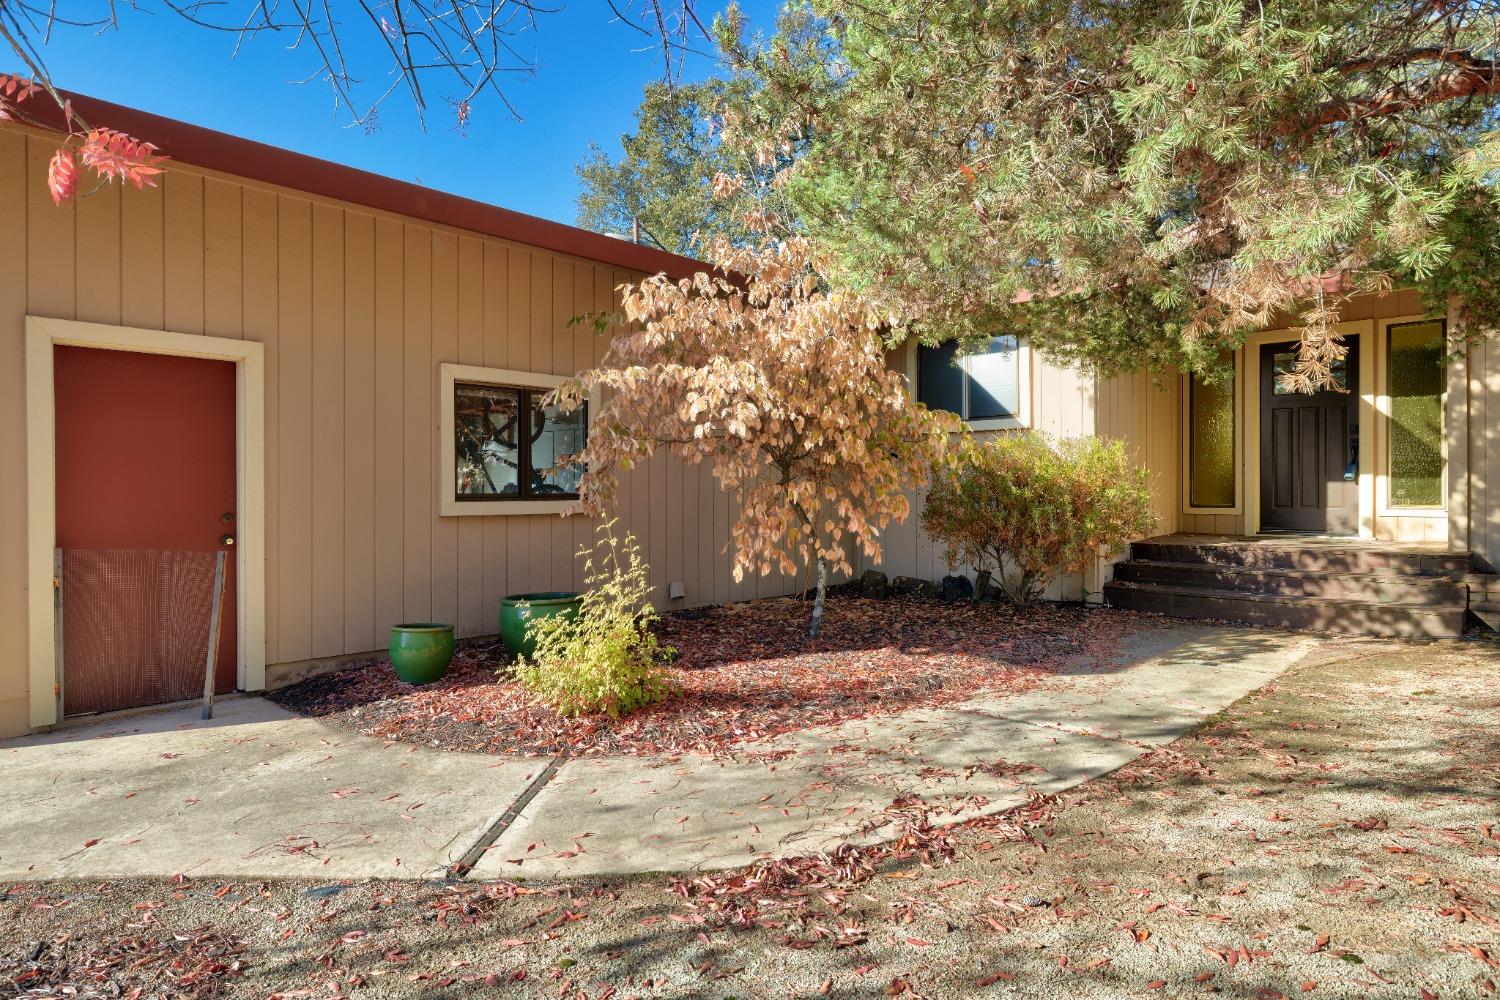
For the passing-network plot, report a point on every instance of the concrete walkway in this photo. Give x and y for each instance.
(258, 792)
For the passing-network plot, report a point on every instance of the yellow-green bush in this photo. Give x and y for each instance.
(606, 659)
(1026, 509)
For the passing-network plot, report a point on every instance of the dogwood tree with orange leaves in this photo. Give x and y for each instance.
(781, 385)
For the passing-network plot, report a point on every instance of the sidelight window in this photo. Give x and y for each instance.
(1414, 443)
(1211, 420)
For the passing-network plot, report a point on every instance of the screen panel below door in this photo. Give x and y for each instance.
(135, 627)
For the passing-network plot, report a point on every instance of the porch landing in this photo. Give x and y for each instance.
(1275, 539)
(1331, 584)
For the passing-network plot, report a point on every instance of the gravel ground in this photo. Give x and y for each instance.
(1333, 835)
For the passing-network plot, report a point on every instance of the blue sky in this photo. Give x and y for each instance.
(590, 71)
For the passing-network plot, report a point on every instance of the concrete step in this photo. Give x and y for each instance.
(1488, 612)
(1393, 589)
(1322, 556)
(1325, 614)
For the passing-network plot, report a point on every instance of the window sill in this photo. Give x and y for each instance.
(996, 424)
(1435, 513)
(491, 508)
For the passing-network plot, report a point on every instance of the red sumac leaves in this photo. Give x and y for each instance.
(62, 176)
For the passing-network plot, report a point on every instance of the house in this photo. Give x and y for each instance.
(331, 376)
(335, 379)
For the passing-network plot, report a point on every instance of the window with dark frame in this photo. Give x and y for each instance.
(510, 445)
(1284, 365)
(977, 387)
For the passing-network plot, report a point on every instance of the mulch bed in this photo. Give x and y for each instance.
(744, 672)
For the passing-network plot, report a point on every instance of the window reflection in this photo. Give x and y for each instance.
(486, 422)
(981, 386)
(509, 445)
(554, 437)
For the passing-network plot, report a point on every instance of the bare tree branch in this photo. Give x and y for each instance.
(459, 49)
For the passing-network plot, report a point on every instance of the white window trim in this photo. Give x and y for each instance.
(1021, 420)
(448, 504)
(1384, 508)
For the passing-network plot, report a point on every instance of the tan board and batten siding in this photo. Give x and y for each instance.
(356, 309)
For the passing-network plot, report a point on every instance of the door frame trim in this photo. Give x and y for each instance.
(1250, 420)
(42, 335)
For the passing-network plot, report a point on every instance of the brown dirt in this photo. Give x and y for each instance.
(743, 672)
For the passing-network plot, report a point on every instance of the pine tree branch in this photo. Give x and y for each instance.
(1430, 53)
(1472, 78)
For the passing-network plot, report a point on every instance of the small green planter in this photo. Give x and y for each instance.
(517, 610)
(421, 651)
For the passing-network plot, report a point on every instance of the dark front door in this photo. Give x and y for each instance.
(1309, 448)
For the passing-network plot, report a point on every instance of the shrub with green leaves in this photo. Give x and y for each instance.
(1025, 509)
(606, 659)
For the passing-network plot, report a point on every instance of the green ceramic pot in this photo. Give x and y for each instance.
(421, 651)
(517, 610)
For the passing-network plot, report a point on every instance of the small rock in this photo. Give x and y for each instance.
(875, 584)
(324, 891)
(1031, 899)
(907, 586)
(957, 588)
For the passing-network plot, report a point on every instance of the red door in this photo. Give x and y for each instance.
(146, 471)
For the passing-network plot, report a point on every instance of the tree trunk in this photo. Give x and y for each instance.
(817, 615)
(981, 584)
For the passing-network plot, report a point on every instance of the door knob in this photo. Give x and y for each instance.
(226, 539)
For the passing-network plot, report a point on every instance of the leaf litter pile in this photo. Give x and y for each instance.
(199, 963)
(744, 672)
